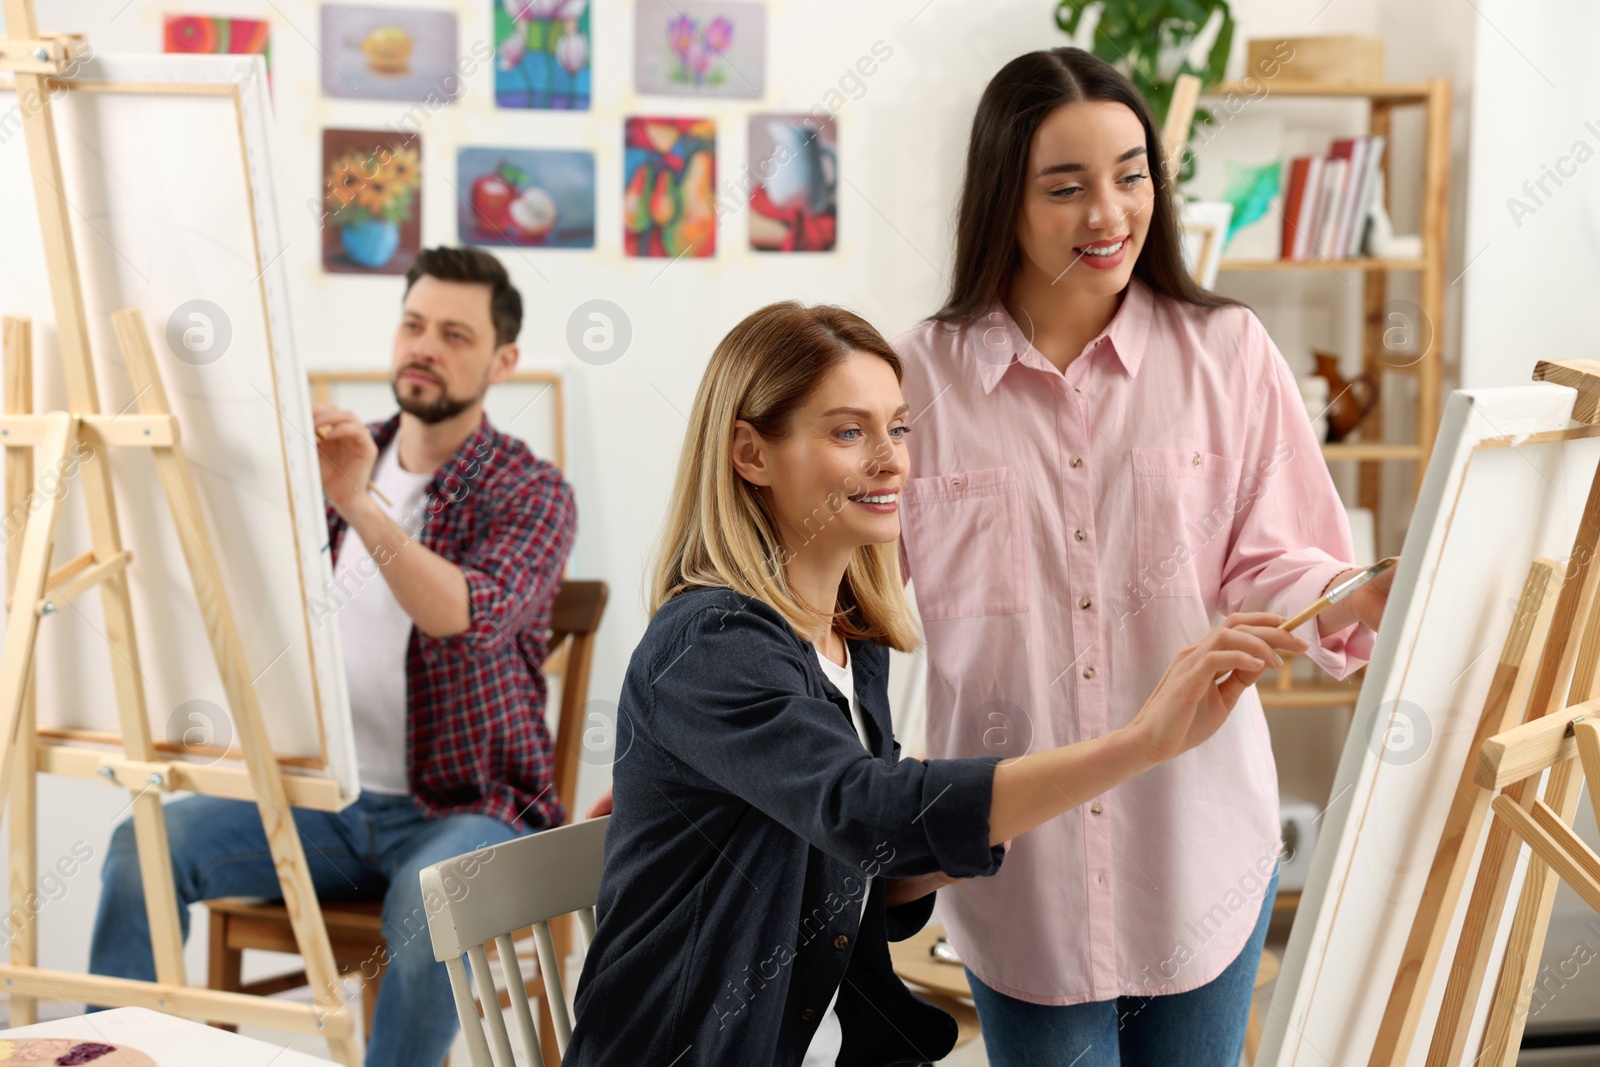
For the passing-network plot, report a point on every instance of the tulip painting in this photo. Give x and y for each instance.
(669, 200)
(541, 54)
(700, 47)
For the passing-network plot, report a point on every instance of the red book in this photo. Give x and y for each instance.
(1298, 206)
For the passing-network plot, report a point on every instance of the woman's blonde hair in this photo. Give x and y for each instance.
(719, 531)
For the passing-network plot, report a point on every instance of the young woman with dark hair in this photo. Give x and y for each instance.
(1109, 459)
(767, 840)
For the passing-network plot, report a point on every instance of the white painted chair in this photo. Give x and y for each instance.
(524, 882)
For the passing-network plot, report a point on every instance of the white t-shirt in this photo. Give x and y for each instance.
(829, 1038)
(375, 630)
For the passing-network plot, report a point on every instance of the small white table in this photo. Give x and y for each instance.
(169, 1040)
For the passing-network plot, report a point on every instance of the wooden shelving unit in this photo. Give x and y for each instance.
(1371, 450)
(1282, 694)
(1364, 263)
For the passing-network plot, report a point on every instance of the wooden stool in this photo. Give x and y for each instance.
(356, 927)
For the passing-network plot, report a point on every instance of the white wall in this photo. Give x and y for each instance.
(1535, 254)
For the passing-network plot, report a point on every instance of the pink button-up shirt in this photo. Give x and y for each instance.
(1066, 534)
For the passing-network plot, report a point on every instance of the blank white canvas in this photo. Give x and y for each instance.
(1483, 515)
(172, 201)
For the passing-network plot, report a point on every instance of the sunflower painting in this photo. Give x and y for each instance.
(669, 203)
(371, 192)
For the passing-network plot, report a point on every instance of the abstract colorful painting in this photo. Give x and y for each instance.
(526, 197)
(389, 53)
(794, 165)
(700, 48)
(216, 35)
(372, 201)
(669, 198)
(541, 54)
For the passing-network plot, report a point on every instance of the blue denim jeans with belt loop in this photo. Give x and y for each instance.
(373, 849)
(1203, 1027)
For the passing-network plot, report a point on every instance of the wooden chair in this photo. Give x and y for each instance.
(356, 927)
(529, 881)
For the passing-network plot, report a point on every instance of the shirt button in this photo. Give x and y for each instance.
(1084, 603)
(1080, 535)
(1088, 672)
(1097, 809)
(1077, 461)
(807, 1015)
(1197, 459)
(841, 941)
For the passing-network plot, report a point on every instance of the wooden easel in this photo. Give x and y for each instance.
(1524, 728)
(37, 591)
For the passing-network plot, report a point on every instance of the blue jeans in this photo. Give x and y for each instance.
(1201, 1028)
(374, 848)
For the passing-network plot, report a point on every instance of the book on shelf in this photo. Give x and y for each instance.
(1328, 200)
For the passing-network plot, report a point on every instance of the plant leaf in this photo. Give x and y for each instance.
(1069, 13)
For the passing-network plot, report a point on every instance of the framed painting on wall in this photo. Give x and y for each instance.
(372, 186)
(541, 50)
(389, 53)
(669, 203)
(532, 198)
(700, 48)
(794, 162)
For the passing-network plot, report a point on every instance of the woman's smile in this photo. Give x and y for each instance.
(1103, 255)
(881, 501)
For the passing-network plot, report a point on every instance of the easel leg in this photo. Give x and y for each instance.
(1503, 709)
(1574, 608)
(299, 896)
(24, 810)
(1508, 1013)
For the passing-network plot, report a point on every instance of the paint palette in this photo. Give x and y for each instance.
(49, 1051)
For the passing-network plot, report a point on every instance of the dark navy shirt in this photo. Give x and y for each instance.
(748, 819)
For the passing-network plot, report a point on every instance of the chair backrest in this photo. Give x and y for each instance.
(490, 894)
(574, 618)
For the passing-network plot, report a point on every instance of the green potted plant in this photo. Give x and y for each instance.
(1150, 42)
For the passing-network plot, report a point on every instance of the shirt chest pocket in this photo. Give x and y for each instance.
(967, 543)
(1184, 510)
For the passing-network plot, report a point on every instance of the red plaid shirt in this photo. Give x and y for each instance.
(475, 731)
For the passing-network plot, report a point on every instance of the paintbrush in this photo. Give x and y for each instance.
(1339, 592)
(1332, 597)
(322, 435)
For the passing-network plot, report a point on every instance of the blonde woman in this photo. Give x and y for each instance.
(767, 841)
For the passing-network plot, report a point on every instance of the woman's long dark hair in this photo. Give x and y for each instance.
(1026, 90)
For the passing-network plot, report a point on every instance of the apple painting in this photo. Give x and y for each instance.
(527, 197)
(533, 214)
(491, 199)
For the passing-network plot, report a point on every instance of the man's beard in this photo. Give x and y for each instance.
(442, 407)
